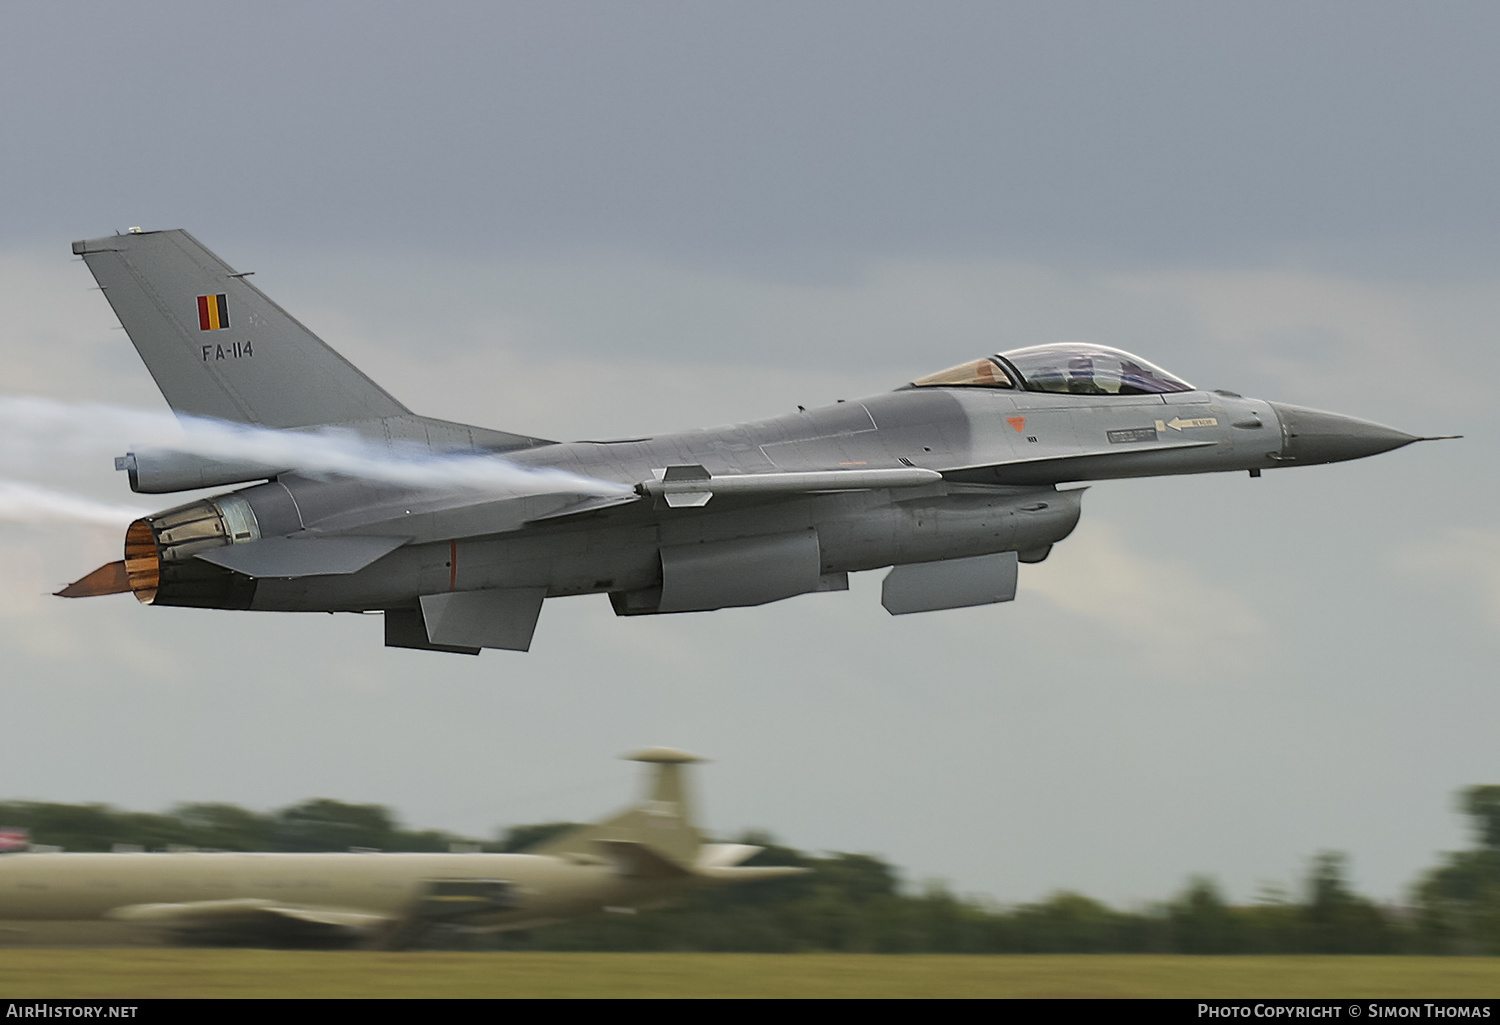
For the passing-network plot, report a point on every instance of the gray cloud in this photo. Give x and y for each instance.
(771, 135)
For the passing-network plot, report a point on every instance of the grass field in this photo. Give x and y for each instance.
(147, 973)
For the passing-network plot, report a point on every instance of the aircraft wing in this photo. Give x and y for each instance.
(250, 916)
(443, 515)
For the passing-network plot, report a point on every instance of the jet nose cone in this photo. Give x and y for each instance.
(1313, 436)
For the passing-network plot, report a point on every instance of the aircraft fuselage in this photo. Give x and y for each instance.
(1000, 455)
(537, 889)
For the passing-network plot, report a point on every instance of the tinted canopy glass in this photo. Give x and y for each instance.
(1077, 369)
(983, 373)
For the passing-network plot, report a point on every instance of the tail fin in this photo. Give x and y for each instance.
(217, 346)
(663, 822)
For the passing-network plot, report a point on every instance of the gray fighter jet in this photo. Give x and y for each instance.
(952, 479)
(643, 857)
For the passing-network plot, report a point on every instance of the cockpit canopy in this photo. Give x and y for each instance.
(1067, 367)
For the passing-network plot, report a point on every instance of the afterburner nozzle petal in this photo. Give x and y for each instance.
(107, 579)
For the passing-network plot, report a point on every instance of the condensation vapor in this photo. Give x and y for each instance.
(39, 430)
(21, 502)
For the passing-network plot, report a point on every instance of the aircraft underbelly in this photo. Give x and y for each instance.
(851, 531)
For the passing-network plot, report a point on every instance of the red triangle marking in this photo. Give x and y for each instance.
(1018, 422)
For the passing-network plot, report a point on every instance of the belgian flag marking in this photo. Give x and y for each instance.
(213, 312)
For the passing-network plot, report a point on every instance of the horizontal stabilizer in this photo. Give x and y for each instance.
(302, 557)
(107, 579)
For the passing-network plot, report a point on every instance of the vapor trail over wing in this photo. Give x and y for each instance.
(179, 453)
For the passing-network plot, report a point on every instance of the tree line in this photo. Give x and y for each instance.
(856, 902)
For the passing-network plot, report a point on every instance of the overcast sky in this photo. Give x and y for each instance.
(600, 219)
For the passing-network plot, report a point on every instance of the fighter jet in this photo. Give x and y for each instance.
(644, 857)
(952, 479)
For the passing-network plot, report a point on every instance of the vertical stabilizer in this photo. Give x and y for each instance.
(662, 822)
(217, 346)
